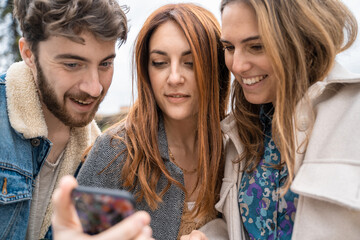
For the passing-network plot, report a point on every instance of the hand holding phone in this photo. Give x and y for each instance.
(66, 223)
(99, 208)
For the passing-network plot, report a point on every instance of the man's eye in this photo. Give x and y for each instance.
(71, 65)
(106, 64)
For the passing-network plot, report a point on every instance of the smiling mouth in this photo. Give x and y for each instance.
(81, 102)
(253, 80)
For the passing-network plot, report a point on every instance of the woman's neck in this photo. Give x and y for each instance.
(181, 134)
(183, 152)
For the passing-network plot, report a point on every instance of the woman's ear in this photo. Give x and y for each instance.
(26, 54)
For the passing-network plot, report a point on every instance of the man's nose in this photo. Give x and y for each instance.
(91, 83)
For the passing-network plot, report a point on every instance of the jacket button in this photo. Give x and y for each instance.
(35, 142)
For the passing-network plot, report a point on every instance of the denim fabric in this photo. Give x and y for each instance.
(20, 162)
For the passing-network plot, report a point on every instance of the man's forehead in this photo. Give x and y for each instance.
(63, 47)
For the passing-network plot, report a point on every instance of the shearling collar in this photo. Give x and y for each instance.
(24, 107)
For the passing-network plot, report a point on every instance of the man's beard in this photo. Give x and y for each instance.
(48, 97)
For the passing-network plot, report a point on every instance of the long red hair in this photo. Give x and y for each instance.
(143, 165)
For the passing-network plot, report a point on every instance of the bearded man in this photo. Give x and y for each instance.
(48, 102)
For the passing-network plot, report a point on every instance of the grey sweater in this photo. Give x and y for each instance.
(165, 220)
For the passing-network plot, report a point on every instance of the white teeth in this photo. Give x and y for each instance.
(250, 81)
(81, 102)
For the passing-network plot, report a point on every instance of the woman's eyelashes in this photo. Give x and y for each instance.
(256, 48)
(190, 64)
(160, 64)
(252, 48)
(228, 48)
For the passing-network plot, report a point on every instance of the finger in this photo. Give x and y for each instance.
(185, 237)
(130, 227)
(66, 185)
(194, 235)
(145, 234)
(64, 211)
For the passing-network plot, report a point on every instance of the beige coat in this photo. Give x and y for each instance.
(327, 173)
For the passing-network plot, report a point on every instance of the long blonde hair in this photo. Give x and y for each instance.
(301, 39)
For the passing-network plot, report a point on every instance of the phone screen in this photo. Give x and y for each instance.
(99, 209)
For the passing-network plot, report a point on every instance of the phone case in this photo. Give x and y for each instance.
(99, 209)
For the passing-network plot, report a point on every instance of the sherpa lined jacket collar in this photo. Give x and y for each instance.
(24, 107)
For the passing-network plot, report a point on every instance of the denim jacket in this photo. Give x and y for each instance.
(20, 162)
(24, 147)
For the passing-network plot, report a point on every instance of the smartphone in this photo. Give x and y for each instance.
(100, 208)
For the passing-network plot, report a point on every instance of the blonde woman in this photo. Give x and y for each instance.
(292, 150)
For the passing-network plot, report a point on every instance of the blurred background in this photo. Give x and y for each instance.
(121, 95)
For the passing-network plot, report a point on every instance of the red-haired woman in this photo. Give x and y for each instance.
(168, 151)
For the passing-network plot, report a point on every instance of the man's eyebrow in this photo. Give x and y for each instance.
(109, 57)
(242, 41)
(71, 56)
(76, 57)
